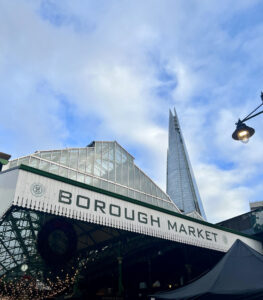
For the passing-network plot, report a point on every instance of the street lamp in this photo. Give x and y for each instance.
(244, 132)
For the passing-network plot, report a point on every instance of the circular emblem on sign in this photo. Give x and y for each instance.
(224, 239)
(37, 189)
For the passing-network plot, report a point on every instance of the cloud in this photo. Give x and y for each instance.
(224, 194)
(72, 72)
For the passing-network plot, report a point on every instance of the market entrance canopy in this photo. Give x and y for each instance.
(38, 190)
(238, 275)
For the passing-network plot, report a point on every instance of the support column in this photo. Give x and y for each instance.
(187, 263)
(149, 274)
(188, 268)
(120, 284)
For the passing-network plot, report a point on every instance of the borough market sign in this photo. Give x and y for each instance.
(134, 215)
(41, 191)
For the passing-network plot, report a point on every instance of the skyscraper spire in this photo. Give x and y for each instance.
(181, 185)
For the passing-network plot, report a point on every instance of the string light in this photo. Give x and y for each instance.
(28, 287)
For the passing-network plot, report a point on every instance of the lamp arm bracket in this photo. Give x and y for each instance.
(247, 117)
(250, 117)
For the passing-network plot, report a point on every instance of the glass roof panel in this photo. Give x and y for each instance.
(108, 165)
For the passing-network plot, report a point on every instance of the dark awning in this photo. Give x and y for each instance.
(238, 275)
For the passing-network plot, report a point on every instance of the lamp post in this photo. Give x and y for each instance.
(244, 132)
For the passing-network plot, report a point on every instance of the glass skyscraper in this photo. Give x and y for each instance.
(181, 185)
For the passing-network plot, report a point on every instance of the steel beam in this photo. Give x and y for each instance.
(19, 237)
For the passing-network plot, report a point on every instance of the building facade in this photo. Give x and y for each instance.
(87, 223)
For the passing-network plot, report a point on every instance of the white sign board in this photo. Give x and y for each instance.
(8, 182)
(44, 194)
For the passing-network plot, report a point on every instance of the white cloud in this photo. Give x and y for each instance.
(106, 59)
(222, 192)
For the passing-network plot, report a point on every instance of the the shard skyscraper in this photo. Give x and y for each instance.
(181, 185)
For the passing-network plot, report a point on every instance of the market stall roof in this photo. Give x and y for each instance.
(238, 275)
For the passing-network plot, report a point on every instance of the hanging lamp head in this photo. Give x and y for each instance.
(242, 132)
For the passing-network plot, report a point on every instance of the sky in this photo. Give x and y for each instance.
(76, 71)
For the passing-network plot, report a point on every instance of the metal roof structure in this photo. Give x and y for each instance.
(102, 164)
(18, 231)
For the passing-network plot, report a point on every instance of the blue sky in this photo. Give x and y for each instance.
(76, 71)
